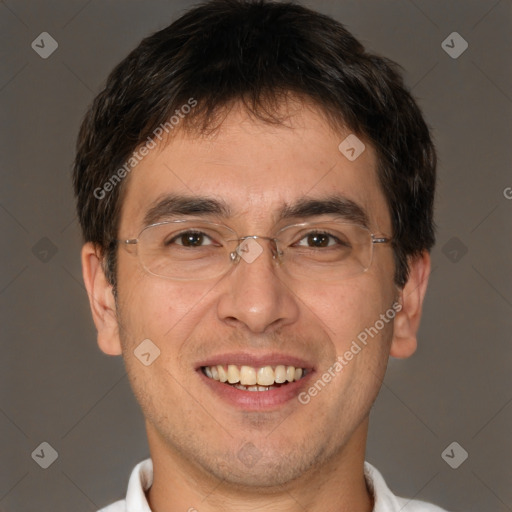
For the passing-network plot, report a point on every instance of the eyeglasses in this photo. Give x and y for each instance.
(193, 250)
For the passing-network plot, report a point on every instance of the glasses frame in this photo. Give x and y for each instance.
(235, 255)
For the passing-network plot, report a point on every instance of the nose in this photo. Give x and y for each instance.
(257, 295)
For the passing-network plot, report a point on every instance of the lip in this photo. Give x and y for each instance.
(256, 360)
(257, 400)
(269, 400)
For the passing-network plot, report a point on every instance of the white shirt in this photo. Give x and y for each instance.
(141, 480)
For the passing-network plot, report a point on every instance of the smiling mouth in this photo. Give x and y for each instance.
(249, 378)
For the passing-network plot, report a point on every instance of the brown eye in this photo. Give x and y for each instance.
(318, 240)
(191, 239)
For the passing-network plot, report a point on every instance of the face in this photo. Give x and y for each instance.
(255, 315)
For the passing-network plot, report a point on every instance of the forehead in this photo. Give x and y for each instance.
(257, 171)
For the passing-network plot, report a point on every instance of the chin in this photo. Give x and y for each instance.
(249, 469)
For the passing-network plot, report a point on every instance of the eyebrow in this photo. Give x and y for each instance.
(173, 205)
(183, 205)
(338, 205)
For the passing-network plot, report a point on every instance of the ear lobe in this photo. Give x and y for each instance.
(407, 320)
(101, 300)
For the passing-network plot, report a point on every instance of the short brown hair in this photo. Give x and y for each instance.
(257, 52)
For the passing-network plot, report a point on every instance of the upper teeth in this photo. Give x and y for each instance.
(250, 376)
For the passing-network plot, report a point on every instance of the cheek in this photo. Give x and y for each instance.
(360, 314)
(351, 307)
(359, 338)
(152, 307)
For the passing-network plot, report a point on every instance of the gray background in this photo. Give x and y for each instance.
(56, 385)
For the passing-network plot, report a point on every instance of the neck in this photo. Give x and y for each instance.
(338, 484)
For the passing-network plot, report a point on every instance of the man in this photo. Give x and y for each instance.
(256, 197)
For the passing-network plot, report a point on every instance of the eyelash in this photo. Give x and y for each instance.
(305, 235)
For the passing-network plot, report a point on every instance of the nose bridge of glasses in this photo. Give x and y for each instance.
(249, 249)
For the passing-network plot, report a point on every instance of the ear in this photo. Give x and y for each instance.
(407, 320)
(101, 299)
